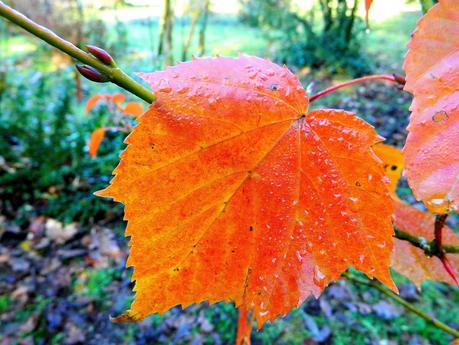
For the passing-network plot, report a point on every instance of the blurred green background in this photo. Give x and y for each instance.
(62, 250)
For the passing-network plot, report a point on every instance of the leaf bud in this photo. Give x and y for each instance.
(101, 55)
(91, 73)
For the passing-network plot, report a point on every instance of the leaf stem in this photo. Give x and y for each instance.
(440, 220)
(244, 326)
(407, 305)
(113, 73)
(429, 247)
(387, 77)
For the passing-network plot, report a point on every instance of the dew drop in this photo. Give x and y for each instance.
(273, 87)
(318, 276)
(299, 257)
(437, 201)
(440, 116)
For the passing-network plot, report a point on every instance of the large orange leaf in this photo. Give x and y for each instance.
(232, 191)
(407, 259)
(432, 75)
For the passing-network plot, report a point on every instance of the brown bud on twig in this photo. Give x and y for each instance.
(101, 55)
(91, 73)
(399, 79)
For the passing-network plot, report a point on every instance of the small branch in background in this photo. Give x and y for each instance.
(440, 220)
(111, 73)
(430, 248)
(394, 78)
(438, 231)
(407, 305)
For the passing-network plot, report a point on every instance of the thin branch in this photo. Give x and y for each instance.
(112, 73)
(387, 77)
(430, 248)
(440, 220)
(437, 323)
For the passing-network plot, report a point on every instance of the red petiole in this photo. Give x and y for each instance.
(439, 224)
(394, 78)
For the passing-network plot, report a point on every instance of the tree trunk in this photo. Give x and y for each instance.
(350, 24)
(165, 26)
(202, 33)
(187, 43)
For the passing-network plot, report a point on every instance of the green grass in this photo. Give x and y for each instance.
(5, 302)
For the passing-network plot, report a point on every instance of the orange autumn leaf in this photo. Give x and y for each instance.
(393, 163)
(234, 192)
(95, 140)
(118, 98)
(92, 102)
(368, 4)
(408, 259)
(133, 108)
(412, 261)
(432, 76)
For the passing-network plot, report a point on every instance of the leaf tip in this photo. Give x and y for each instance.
(124, 318)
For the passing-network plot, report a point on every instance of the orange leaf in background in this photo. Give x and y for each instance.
(432, 76)
(118, 98)
(393, 164)
(92, 102)
(411, 261)
(234, 192)
(368, 4)
(95, 140)
(133, 108)
(407, 259)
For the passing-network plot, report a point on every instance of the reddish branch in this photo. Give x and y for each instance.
(244, 326)
(394, 78)
(439, 225)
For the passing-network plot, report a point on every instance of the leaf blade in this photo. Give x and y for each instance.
(432, 158)
(216, 188)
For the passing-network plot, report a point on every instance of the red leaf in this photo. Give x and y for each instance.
(95, 140)
(233, 191)
(432, 76)
(407, 259)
